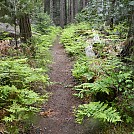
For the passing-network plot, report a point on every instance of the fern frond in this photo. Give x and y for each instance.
(91, 88)
(97, 110)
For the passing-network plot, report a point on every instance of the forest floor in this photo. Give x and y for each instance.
(58, 117)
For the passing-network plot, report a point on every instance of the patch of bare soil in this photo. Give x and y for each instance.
(57, 114)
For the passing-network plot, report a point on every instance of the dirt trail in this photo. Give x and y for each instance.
(60, 119)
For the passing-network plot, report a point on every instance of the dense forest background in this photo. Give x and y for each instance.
(64, 12)
(97, 34)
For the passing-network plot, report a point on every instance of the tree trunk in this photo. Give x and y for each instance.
(72, 10)
(15, 29)
(47, 6)
(25, 28)
(87, 1)
(84, 3)
(62, 13)
(111, 15)
(81, 5)
(69, 11)
(51, 9)
(131, 25)
(65, 12)
(75, 7)
(128, 49)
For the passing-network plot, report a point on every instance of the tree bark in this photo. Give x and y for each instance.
(47, 6)
(75, 7)
(69, 11)
(81, 5)
(72, 10)
(84, 3)
(62, 13)
(25, 28)
(15, 29)
(131, 25)
(65, 21)
(51, 9)
(111, 14)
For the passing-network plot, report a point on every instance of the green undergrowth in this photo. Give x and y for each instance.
(73, 42)
(105, 82)
(42, 44)
(23, 78)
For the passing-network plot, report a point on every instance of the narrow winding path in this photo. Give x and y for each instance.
(60, 118)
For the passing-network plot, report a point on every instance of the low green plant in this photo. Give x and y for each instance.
(113, 84)
(121, 30)
(104, 79)
(81, 69)
(23, 78)
(41, 45)
(71, 39)
(97, 110)
(19, 98)
(19, 104)
(4, 36)
(17, 72)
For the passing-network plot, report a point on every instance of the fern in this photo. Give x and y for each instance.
(18, 72)
(23, 78)
(74, 44)
(91, 88)
(97, 110)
